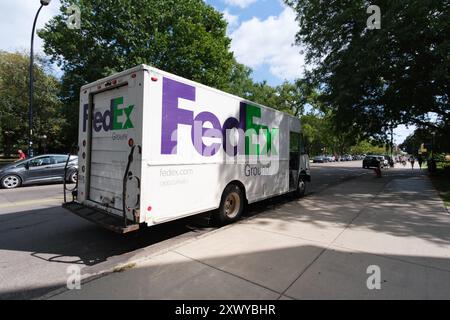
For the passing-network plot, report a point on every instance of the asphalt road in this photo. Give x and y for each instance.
(39, 240)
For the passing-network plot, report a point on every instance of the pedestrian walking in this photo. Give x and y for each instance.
(22, 155)
(420, 161)
(412, 160)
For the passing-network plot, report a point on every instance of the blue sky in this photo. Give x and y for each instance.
(262, 34)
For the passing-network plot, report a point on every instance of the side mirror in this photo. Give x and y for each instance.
(27, 165)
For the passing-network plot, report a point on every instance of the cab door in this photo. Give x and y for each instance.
(40, 168)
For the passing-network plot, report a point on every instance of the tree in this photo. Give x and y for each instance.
(433, 141)
(367, 147)
(184, 37)
(373, 80)
(287, 97)
(14, 80)
(240, 82)
(293, 97)
(264, 94)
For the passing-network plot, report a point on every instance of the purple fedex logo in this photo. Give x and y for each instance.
(173, 115)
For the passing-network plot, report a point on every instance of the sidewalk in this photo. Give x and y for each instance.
(316, 248)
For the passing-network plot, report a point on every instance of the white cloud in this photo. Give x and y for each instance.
(270, 42)
(232, 20)
(17, 21)
(240, 3)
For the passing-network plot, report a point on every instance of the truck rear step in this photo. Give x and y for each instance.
(101, 218)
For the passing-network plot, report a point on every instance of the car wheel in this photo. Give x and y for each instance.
(11, 181)
(231, 205)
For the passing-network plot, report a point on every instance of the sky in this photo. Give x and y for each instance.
(262, 34)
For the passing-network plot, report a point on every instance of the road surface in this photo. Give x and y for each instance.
(39, 240)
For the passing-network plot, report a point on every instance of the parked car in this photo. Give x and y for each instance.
(319, 159)
(40, 169)
(372, 161)
(348, 157)
(384, 161)
(389, 160)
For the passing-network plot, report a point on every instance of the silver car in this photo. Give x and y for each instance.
(41, 169)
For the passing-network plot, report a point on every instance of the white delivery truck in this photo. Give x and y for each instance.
(155, 147)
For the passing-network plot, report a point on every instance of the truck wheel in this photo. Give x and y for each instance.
(301, 189)
(11, 181)
(73, 177)
(231, 205)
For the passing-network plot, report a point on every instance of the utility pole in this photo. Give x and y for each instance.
(31, 87)
(392, 142)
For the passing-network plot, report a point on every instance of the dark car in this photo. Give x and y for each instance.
(372, 162)
(40, 169)
(319, 159)
(390, 161)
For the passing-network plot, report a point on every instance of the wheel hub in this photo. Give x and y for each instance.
(10, 182)
(232, 205)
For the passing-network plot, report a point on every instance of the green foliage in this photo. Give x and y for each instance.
(375, 79)
(264, 94)
(288, 97)
(14, 81)
(367, 147)
(322, 136)
(293, 97)
(240, 82)
(184, 37)
(434, 141)
(441, 181)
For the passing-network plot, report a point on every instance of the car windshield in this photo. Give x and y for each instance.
(14, 164)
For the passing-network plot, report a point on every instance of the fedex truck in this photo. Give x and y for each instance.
(155, 147)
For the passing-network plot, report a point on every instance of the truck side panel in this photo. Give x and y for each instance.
(184, 174)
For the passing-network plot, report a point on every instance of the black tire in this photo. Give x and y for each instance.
(10, 181)
(231, 205)
(301, 189)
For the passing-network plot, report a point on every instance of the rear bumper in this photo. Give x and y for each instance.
(101, 218)
(371, 165)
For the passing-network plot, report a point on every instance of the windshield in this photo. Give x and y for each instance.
(17, 163)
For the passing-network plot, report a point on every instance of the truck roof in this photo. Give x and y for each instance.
(143, 67)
